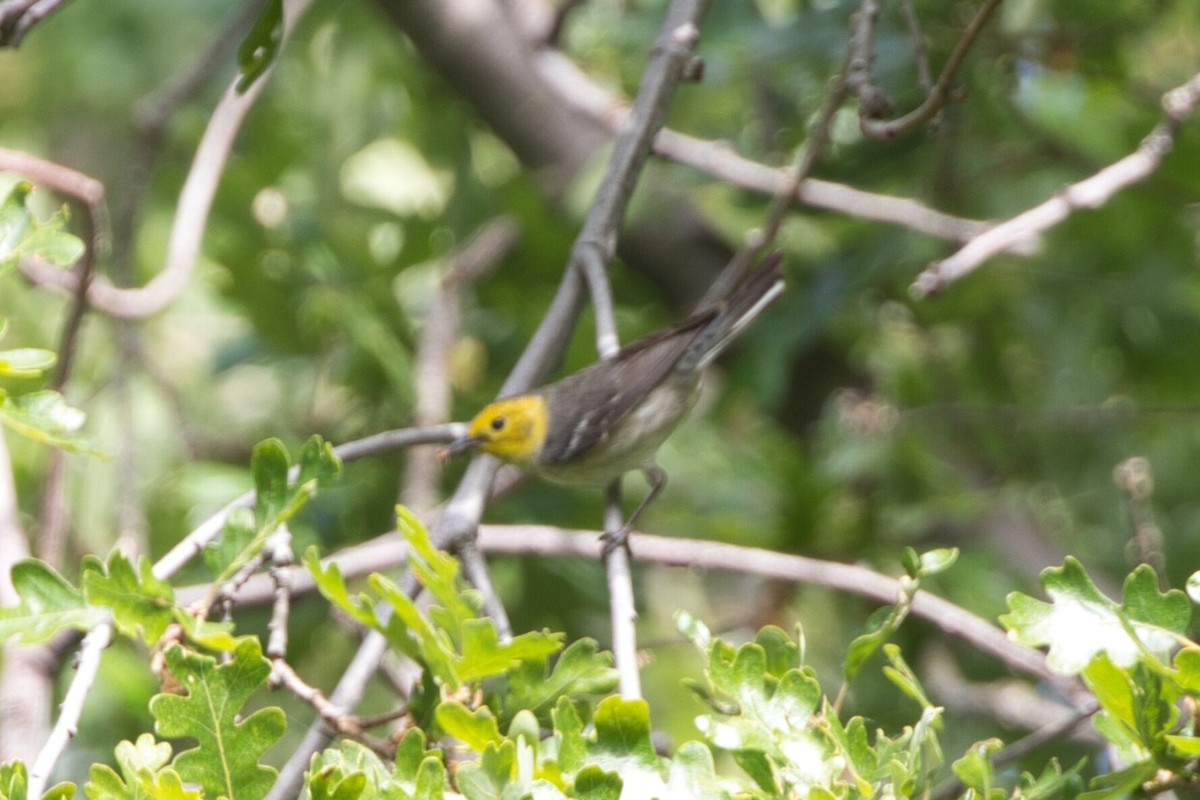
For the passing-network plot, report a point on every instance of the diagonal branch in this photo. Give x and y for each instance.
(1090, 193)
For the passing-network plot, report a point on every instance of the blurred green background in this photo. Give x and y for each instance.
(851, 421)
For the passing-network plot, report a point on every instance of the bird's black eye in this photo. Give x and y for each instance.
(498, 423)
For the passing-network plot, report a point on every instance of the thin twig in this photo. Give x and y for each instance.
(69, 713)
(191, 216)
(193, 544)
(622, 609)
(431, 373)
(347, 694)
(1090, 193)
(577, 90)
(939, 94)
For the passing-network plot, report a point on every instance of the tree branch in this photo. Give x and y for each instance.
(1094, 192)
(191, 215)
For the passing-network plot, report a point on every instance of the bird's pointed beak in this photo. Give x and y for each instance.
(462, 444)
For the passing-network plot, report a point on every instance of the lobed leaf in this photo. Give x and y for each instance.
(48, 605)
(225, 761)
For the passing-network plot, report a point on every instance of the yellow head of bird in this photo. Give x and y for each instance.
(511, 429)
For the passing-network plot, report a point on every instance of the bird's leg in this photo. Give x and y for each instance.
(657, 478)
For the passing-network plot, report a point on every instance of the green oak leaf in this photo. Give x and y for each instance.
(1079, 622)
(225, 762)
(144, 774)
(579, 670)
(483, 655)
(476, 729)
(138, 600)
(623, 745)
(48, 605)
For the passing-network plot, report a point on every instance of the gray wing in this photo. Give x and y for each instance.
(607, 391)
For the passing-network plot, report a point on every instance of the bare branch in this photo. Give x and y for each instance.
(1094, 192)
(383, 553)
(71, 710)
(191, 216)
(873, 120)
(17, 18)
(621, 605)
(576, 90)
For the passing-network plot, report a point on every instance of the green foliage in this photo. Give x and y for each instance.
(43, 416)
(1080, 622)
(885, 621)
(225, 761)
(145, 773)
(261, 45)
(1136, 659)
(140, 603)
(49, 604)
(46, 417)
(22, 234)
(456, 644)
(277, 499)
(348, 771)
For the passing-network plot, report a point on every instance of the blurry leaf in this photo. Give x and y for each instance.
(594, 783)
(15, 223)
(1193, 587)
(411, 754)
(23, 235)
(623, 732)
(239, 531)
(934, 561)
(694, 630)
(45, 417)
(330, 583)
(209, 634)
(14, 780)
(144, 774)
(1187, 669)
(139, 601)
(476, 729)
(568, 732)
(1053, 783)
(974, 769)
(1080, 622)
(270, 465)
(261, 45)
(348, 770)
(901, 674)
(491, 775)
(484, 655)
(48, 605)
(225, 760)
(26, 362)
(579, 670)
(317, 462)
